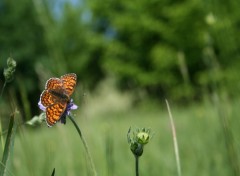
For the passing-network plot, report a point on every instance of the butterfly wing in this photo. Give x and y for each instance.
(54, 113)
(47, 98)
(69, 82)
(53, 83)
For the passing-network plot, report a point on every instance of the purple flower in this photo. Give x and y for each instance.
(70, 106)
(43, 108)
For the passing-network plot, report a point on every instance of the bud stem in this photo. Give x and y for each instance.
(136, 165)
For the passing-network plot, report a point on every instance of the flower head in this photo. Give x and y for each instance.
(70, 106)
(138, 139)
(143, 137)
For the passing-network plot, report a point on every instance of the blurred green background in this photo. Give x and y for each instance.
(129, 57)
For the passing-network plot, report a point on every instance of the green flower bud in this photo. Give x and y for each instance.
(11, 63)
(137, 149)
(9, 71)
(138, 139)
(143, 138)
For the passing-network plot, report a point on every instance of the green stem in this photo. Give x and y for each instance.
(136, 165)
(4, 85)
(85, 145)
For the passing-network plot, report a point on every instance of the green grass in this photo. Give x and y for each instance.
(201, 143)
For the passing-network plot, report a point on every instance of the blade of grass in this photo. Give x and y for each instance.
(4, 85)
(232, 153)
(175, 143)
(53, 172)
(109, 152)
(1, 135)
(8, 148)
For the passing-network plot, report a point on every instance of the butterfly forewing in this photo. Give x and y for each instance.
(49, 97)
(69, 82)
(53, 83)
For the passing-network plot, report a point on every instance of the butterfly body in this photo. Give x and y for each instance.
(60, 95)
(56, 96)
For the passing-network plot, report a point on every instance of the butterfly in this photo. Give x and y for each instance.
(56, 96)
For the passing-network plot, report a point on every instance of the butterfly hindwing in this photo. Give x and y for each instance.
(54, 113)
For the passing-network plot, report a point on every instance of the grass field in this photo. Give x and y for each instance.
(202, 142)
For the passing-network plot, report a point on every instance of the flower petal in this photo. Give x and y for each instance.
(74, 106)
(43, 108)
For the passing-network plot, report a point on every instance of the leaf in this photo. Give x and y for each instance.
(8, 148)
(53, 172)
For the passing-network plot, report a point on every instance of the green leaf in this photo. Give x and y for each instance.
(8, 148)
(53, 172)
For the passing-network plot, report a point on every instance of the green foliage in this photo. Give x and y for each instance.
(147, 39)
(81, 47)
(143, 53)
(21, 38)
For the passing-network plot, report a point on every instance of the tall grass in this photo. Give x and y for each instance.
(221, 105)
(8, 147)
(201, 145)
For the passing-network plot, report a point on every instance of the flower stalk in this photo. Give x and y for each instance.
(136, 165)
(84, 144)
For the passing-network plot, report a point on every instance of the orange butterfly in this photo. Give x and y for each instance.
(56, 97)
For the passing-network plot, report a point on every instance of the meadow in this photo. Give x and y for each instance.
(203, 143)
(129, 57)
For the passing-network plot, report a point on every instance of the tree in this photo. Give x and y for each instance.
(160, 46)
(21, 38)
